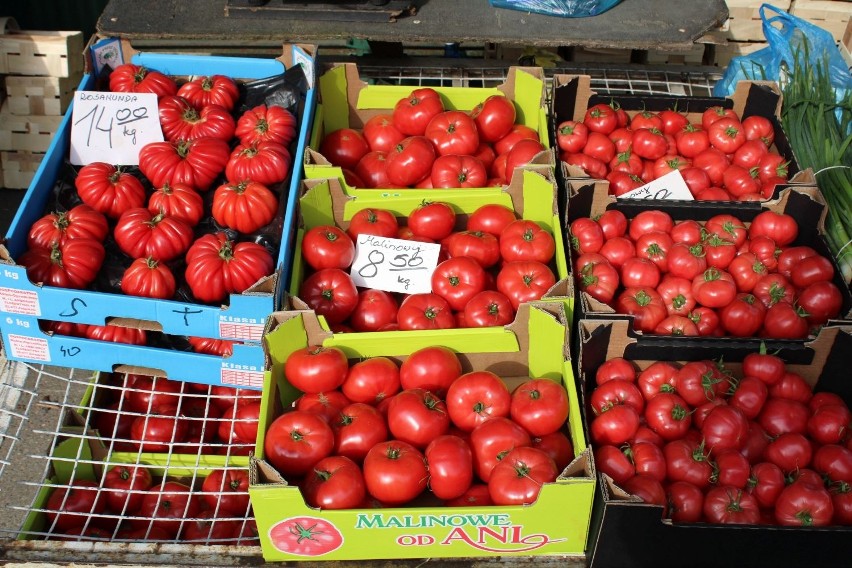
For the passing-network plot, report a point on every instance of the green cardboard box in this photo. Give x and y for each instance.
(346, 101)
(556, 524)
(532, 195)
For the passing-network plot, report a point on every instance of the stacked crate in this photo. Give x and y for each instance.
(42, 70)
(830, 15)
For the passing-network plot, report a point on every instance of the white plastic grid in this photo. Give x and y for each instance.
(18, 390)
(173, 459)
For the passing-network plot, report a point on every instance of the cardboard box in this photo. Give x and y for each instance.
(805, 204)
(80, 459)
(345, 101)
(627, 532)
(572, 96)
(53, 53)
(109, 397)
(531, 195)
(556, 524)
(242, 318)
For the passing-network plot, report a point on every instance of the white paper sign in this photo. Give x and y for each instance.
(669, 186)
(113, 127)
(394, 265)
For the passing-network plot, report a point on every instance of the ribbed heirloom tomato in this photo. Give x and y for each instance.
(177, 200)
(74, 264)
(109, 189)
(149, 278)
(217, 266)
(266, 124)
(78, 222)
(141, 234)
(180, 120)
(267, 163)
(193, 162)
(244, 206)
(210, 89)
(130, 78)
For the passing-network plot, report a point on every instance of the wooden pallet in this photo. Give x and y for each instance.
(17, 169)
(55, 54)
(31, 133)
(744, 23)
(727, 51)
(40, 95)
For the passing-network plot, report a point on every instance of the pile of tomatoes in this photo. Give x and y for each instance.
(129, 504)
(422, 144)
(140, 413)
(720, 278)
(485, 271)
(722, 158)
(378, 433)
(757, 448)
(160, 231)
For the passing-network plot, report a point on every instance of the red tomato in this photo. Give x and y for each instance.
(180, 120)
(476, 397)
(672, 121)
(518, 477)
(759, 128)
(691, 140)
(125, 487)
(305, 536)
(453, 132)
(729, 505)
(357, 428)
(326, 246)
(432, 368)
(169, 504)
(226, 492)
(378, 222)
(617, 251)
(613, 223)
(425, 311)
(450, 463)
(525, 240)
(491, 440)
(336, 482)
(316, 369)
(668, 415)
(677, 295)
(615, 426)
(714, 288)
(557, 446)
(331, 293)
(457, 280)
(372, 170)
(615, 368)
(344, 147)
(789, 451)
(644, 304)
(639, 271)
(648, 489)
(780, 227)
(685, 502)
(600, 147)
(108, 189)
(591, 166)
(326, 405)
(571, 136)
(395, 472)
(785, 321)
(264, 123)
(766, 483)
(688, 461)
(130, 78)
(649, 144)
(810, 270)
(772, 166)
(410, 161)
(696, 179)
(217, 266)
(749, 395)
(821, 300)
(412, 114)
(599, 279)
(524, 281)
(834, 462)
(586, 235)
(380, 133)
(296, 441)
(716, 113)
(616, 391)
(648, 221)
(491, 218)
(417, 416)
(483, 247)
(371, 380)
(804, 504)
(517, 133)
(149, 278)
(267, 163)
(781, 415)
(614, 463)
(774, 288)
(601, 118)
(540, 406)
(698, 382)
(494, 117)
(830, 423)
(660, 376)
(725, 428)
(488, 308)
(521, 154)
(432, 219)
(141, 234)
(792, 387)
(78, 222)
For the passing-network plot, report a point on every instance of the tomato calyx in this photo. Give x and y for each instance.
(55, 253)
(523, 470)
(717, 241)
(711, 275)
(776, 293)
(115, 176)
(304, 533)
(642, 298)
(151, 262)
(140, 74)
(678, 412)
(297, 436)
(568, 129)
(454, 281)
(697, 250)
(61, 222)
(679, 301)
(805, 518)
(190, 115)
(731, 132)
(734, 502)
(226, 251)
(699, 454)
(528, 235)
(262, 126)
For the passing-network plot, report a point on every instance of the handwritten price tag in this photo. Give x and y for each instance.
(113, 127)
(394, 265)
(669, 186)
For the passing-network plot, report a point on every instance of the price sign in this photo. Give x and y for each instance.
(113, 127)
(669, 186)
(394, 265)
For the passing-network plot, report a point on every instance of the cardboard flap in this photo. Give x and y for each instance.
(526, 86)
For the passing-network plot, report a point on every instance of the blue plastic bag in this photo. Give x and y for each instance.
(564, 8)
(789, 37)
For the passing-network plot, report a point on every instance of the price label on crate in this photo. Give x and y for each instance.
(113, 127)
(669, 186)
(394, 265)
